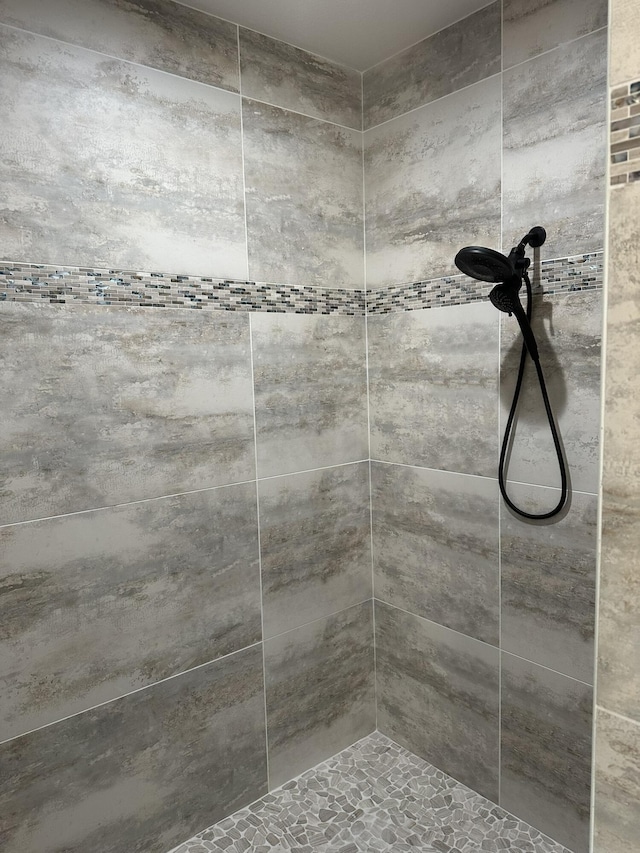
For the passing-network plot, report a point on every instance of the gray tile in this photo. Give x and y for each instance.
(619, 612)
(156, 33)
(421, 205)
(142, 773)
(304, 222)
(462, 54)
(97, 604)
(546, 751)
(625, 46)
(548, 581)
(617, 784)
(320, 690)
(139, 169)
(315, 540)
(311, 391)
(435, 545)
(568, 329)
(438, 696)
(374, 795)
(285, 76)
(107, 406)
(535, 26)
(555, 147)
(433, 383)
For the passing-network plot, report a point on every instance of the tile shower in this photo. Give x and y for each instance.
(249, 513)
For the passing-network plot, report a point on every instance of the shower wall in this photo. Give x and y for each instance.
(485, 623)
(185, 566)
(617, 747)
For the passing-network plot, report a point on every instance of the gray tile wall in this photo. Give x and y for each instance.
(617, 748)
(185, 541)
(476, 153)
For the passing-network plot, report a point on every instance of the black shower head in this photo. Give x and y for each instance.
(484, 264)
(503, 297)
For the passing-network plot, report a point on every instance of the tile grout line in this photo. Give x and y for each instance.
(114, 699)
(604, 710)
(244, 172)
(263, 643)
(177, 494)
(482, 642)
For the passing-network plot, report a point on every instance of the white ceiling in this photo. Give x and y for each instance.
(358, 33)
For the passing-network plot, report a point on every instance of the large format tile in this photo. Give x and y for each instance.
(156, 33)
(304, 221)
(285, 76)
(619, 614)
(435, 545)
(433, 380)
(568, 329)
(97, 604)
(625, 45)
(432, 185)
(140, 774)
(320, 690)
(139, 170)
(315, 540)
(462, 54)
(311, 391)
(617, 784)
(531, 27)
(546, 751)
(548, 582)
(555, 147)
(107, 406)
(438, 696)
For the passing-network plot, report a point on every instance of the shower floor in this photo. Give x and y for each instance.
(373, 796)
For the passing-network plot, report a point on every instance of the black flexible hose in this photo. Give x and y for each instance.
(552, 425)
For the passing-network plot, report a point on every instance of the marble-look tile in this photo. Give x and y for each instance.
(304, 198)
(98, 604)
(462, 54)
(435, 545)
(438, 695)
(548, 581)
(315, 541)
(432, 185)
(531, 27)
(433, 378)
(555, 147)
(619, 612)
(320, 690)
(617, 784)
(139, 170)
(141, 773)
(156, 33)
(546, 751)
(310, 390)
(285, 76)
(568, 329)
(625, 46)
(107, 406)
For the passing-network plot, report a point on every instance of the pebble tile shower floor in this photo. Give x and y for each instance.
(373, 796)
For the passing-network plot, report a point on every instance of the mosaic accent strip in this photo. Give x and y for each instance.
(560, 275)
(68, 285)
(373, 796)
(625, 134)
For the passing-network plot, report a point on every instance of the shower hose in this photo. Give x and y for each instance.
(552, 426)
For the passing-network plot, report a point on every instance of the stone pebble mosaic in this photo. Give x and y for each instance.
(373, 796)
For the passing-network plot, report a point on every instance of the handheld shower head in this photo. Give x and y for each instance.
(484, 264)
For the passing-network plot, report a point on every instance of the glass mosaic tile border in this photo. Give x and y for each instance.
(20, 282)
(68, 285)
(555, 276)
(373, 797)
(625, 134)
